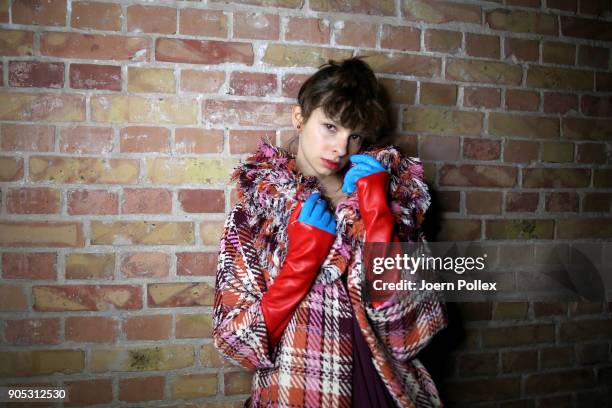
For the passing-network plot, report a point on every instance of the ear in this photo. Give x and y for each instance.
(296, 116)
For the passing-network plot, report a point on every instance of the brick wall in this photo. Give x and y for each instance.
(120, 121)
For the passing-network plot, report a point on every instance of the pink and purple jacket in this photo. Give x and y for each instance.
(312, 364)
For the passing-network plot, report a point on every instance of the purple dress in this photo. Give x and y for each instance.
(368, 389)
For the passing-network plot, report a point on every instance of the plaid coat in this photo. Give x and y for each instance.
(312, 364)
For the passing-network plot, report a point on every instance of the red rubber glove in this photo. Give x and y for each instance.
(378, 220)
(307, 249)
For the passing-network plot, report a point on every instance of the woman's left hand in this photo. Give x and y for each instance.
(365, 165)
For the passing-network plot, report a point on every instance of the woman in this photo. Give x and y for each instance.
(289, 298)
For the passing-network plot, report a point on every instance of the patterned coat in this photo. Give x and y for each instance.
(312, 364)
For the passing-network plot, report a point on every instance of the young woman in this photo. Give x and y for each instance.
(290, 290)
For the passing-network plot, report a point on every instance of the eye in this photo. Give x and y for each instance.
(356, 138)
(329, 126)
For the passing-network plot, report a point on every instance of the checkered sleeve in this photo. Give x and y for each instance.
(239, 330)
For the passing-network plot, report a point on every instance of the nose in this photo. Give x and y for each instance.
(340, 145)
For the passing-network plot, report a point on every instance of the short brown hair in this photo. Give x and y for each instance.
(349, 93)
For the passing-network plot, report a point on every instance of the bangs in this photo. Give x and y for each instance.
(365, 117)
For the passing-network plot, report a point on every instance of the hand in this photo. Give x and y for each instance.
(314, 212)
(365, 165)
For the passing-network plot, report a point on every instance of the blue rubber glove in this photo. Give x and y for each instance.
(364, 166)
(314, 212)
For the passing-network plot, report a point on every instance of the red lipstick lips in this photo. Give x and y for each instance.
(330, 164)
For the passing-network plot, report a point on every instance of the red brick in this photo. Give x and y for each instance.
(588, 228)
(192, 140)
(144, 139)
(92, 76)
(43, 12)
(439, 148)
(86, 139)
(549, 309)
(587, 129)
(96, 329)
(484, 71)
(99, 16)
(12, 168)
(252, 84)
(237, 383)
(407, 64)
(245, 141)
(202, 51)
(556, 177)
(36, 74)
(438, 94)
(141, 389)
(595, 7)
(519, 361)
(34, 200)
(40, 138)
(310, 30)
(594, 57)
(522, 100)
(202, 200)
(556, 102)
(291, 84)
(483, 202)
(481, 45)
(151, 19)
(208, 23)
(12, 298)
(256, 25)
(89, 392)
(596, 106)
(400, 38)
(383, 7)
(449, 201)
(29, 265)
(483, 389)
(523, 50)
(247, 113)
(521, 202)
(151, 327)
(522, 21)
(554, 357)
(592, 153)
(16, 42)
(440, 12)
(481, 149)
(460, 230)
(505, 124)
(198, 326)
(481, 97)
(201, 81)
(559, 53)
(602, 178)
(478, 175)
(559, 381)
(443, 41)
(86, 297)
(184, 294)
(518, 335)
(565, 5)
(32, 331)
(146, 201)
(94, 46)
(196, 263)
(586, 28)
(96, 202)
(4, 12)
(145, 265)
(597, 202)
(355, 34)
(562, 202)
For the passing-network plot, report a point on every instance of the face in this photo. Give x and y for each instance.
(324, 146)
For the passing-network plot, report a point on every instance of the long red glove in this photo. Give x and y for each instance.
(308, 248)
(378, 220)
